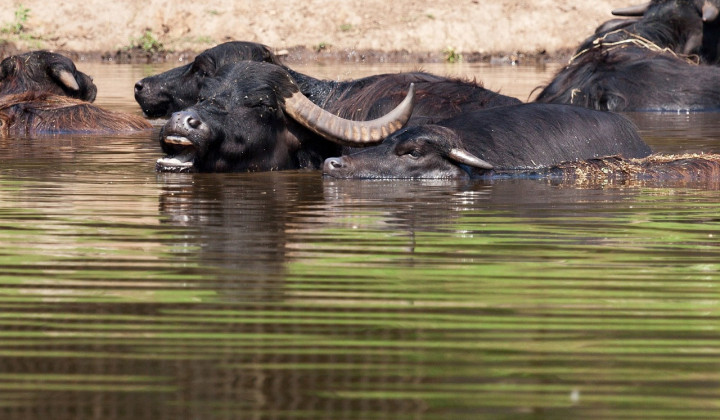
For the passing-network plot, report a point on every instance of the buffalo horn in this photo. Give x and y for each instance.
(67, 79)
(637, 10)
(466, 158)
(710, 12)
(348, 132)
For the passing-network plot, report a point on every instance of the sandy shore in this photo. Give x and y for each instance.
(349, 30)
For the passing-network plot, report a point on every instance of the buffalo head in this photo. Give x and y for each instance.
(43, 71)
(421, 152)
(179, 88)
(252, 117)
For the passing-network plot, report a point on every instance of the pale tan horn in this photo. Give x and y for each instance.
(67, 79)
(466, 158)
(637, 10)
(709, 12)
(347, 132)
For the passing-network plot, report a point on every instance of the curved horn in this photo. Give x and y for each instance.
(68, 80)
(348, 132)
(637, 10)
(709, 12)
(466, 158)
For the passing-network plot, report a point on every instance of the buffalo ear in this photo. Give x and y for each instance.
(204, 65)
(65, 78)
(466, 158)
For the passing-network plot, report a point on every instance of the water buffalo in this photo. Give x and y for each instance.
(43, 71)
(43, 93)
(36, 113)
(176, 89)
(634, 78)
(179, 88)
(243, 121)
(676, 25)
(527, 138)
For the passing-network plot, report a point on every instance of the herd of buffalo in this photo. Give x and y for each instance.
(237, 107)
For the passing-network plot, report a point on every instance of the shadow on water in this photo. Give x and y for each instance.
(126, 294)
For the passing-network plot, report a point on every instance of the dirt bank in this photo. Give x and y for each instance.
(397, 30)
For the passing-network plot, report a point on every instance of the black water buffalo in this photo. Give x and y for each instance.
(43, 93)
(179, 88)
(676, 25)
(35, 113)
(244, 123)
(176, 89)
(634, 78)
(502, 141)
(43, 71)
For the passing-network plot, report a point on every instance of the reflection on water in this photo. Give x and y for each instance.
(126, 294)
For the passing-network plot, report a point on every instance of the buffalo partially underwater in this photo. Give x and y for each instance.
(43, 93)
(634, 78)
(496, 142)
(176, 89)
(526, 141)
(643, 65)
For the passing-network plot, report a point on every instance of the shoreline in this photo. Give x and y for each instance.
(302, 54)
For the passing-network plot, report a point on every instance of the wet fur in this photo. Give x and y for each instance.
(250, 131)
(673, 24)
(34, 71)
(687, 167)
(516, 139)
(33, 113)
(634, 79)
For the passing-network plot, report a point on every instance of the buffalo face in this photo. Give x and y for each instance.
(179, 88)
(46, 72)
(424, 152)
(227, 133)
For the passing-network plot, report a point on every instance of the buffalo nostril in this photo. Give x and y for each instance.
(194, 123)
(138, 87)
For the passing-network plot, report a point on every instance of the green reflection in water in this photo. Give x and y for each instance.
(601, 312)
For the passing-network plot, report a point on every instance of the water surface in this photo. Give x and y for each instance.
(127, 294)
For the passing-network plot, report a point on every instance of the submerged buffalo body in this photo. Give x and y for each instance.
(179, 88)
(244, 123)
(33, 113)
(46, 72)
(634, 79)
(496, 142)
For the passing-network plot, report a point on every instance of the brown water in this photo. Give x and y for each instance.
(126, 294)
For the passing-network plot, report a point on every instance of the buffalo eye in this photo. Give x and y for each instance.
(412, 153)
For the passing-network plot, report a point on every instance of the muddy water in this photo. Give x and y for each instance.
(126, 294)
